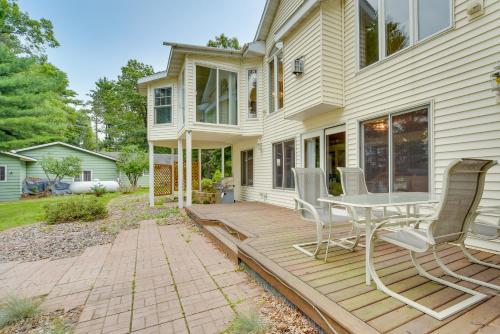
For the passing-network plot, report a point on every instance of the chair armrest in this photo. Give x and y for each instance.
(303, 205)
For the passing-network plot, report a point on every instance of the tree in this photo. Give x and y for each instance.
(224, 42)
(23, 34)
(132, 162)
(34, 101)
(57, 169)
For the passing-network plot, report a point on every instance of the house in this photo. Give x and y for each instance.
(324, 84)
(16, 165)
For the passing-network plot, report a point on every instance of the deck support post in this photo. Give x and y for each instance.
(189, 169)
(172, 159)
(222, 161)
(199, 169)
(180, 173)
(151, 151)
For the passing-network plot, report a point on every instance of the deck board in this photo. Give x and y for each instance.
(341, 278)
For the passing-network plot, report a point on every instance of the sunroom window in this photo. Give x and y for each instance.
(216, 96)
(252, 93)
(403, 23)
(163, 105)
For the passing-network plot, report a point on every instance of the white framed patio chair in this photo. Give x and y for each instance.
(462, 190)
(310, 184)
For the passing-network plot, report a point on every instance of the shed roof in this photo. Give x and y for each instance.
(64, 144)
(18, 156)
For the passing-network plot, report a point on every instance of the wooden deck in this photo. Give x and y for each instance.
(334, 293)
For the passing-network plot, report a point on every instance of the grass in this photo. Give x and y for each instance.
(30, 211)
(15, 309)
(247, 323)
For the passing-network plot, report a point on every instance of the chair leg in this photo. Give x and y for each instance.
(462, 277)
(440, 315)
(475, 260)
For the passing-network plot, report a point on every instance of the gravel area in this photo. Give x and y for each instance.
(46, 323)
(42, 241)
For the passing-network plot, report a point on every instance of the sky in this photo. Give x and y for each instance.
(97, 37)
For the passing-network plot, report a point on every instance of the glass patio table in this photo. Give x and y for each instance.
(379, 200)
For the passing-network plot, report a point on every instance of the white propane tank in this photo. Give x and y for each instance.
(86, 187)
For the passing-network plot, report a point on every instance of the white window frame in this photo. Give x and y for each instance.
(274, 58)
(256, 94)
(282, 142)
(246, 167)
(218, 68)
(314, 134)
(413, 26)
(389, 116)
(166, 105)
(82, 176)
(5, 171)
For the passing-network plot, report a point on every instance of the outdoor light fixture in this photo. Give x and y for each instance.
(298, 66)
(495, 79)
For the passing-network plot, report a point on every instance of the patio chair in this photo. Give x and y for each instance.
(462, 190)
(310, 184)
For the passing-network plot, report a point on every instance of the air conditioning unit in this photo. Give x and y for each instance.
(298, 66)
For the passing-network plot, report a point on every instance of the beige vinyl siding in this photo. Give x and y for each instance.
(167, 131)
(451, 73)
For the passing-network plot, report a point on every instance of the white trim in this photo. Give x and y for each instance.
(300, 13)
(282, 142)
(82, 176)
(19, 156)
(152, 77)
(5, 173)
(67, 145)
(171, 105)
(256, 94)
(309, 135)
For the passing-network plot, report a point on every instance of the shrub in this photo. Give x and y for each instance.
(248, 323)
(207, 185)
(15, 309)
(74, 208)
(217, 177)
(98, 190)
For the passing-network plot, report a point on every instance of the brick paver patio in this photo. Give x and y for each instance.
(156, 279)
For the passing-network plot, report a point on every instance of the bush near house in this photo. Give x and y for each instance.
(77, 208)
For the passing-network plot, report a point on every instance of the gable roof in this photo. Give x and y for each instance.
(266, 20)
(67, 145)
(19, 156)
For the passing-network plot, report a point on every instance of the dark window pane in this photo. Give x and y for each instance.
(278, 165)
(280, 82)
(433, 16)
(312, 153)
(335, 147)
(243, 168)
(410, 151)
(289, 151)
(250, 167)
(271, 87)
(206, 94)
(228, 97)
(163, 114)
(368, 32)
(87, 175)
(375, 155)
(397, 25)
(2, 173)
(252, 93)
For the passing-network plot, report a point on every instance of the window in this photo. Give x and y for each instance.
(403, 23)
(284, 161)
(252, 93)
(163, 105)
(86, 176)
(3, 173)
(312, 152)
(395, 152)
(247, 168)
(276, 96)
(216, 96)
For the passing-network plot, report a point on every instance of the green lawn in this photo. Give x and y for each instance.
(29, 211)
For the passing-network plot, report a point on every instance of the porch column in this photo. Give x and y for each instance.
(189, 169)
(172, 163)
(151, 174)
(222, 162)
(199, 169)
(180, 173)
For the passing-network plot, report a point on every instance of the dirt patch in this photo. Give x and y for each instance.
(46, 323)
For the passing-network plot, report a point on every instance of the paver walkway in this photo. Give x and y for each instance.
(156, 279)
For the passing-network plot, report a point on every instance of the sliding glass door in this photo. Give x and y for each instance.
(395, 152)
(335, 157)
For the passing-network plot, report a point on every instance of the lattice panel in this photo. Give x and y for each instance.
(162, 180)
(195, 168)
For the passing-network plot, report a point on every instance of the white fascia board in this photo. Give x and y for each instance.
(19, 156)
(152, 77)
(67, 145)
(301, 12)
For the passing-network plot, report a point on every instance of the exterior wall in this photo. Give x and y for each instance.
(143, 180)
(16, 169)
(102, 168)
(162, 131)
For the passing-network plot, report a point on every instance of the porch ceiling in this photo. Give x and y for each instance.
(209, 140)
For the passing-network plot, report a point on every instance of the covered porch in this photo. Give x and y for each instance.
(334, 293)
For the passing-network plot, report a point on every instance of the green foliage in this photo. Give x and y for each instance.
(118, 110)
(217, 177)
(207, 185)
(132, 162)
(57, 169)
(224, 42)
(23, 34)
(212, 161)
(15, 309)
(98, 190)
(58, 326)
(75, 208)
(247, 323)
(127, 190)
